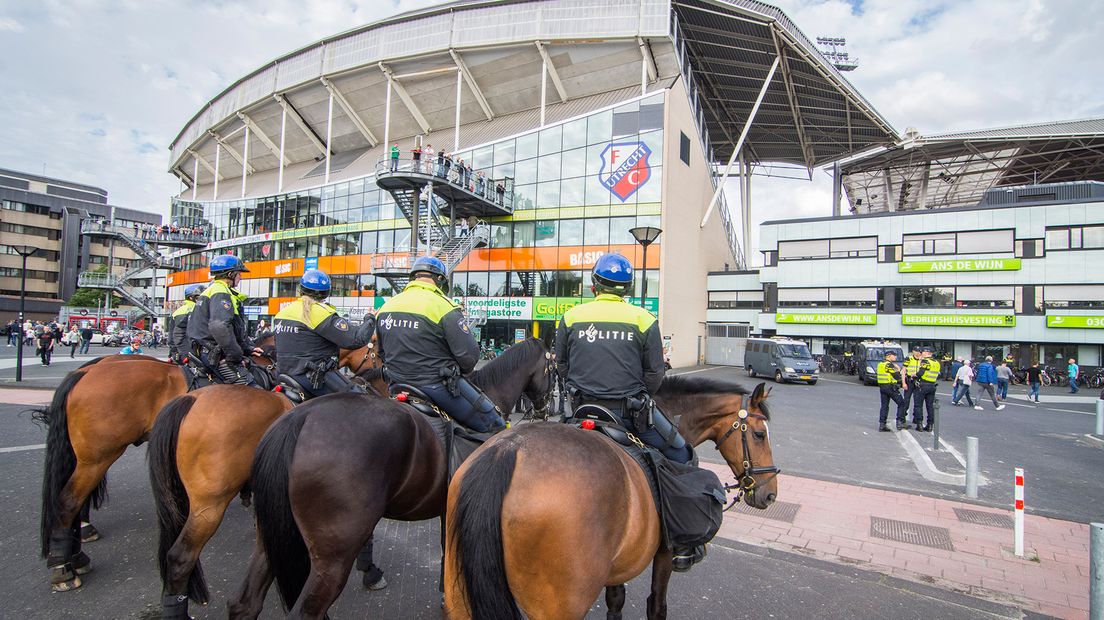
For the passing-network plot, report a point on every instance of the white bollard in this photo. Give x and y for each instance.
(1019, 512)
(972, 467)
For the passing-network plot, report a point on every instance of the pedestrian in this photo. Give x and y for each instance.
(964, 377)
(985, 377)
(1034, 380)
(463, 228)
(1074, 372)
(46, 346)
(890, 383)
(1004, 377)
(926, 379)
(955, 365)
(14, 329)
(72, 338)
(85, 339)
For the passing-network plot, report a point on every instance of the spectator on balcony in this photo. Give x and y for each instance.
(441, 163)
(468, 177)
(427, 158)
(416, 154)
(500, 191)
(463, 228)
(395, 157)
(480, 183)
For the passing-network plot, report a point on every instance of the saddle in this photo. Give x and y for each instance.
(458, 441)
(291, 388)
(411, 395)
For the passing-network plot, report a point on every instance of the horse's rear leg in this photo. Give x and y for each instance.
(65, 558)
(183, 558)
(372, 577)
(328, 574)
(249, 602)
(88, 532)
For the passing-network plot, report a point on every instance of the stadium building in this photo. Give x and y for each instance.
(580, 120)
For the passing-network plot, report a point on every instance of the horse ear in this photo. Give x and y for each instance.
(759, 394)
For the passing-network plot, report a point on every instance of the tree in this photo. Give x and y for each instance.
(92, 297)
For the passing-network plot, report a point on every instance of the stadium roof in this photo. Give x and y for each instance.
(723, 49)
(955, 169)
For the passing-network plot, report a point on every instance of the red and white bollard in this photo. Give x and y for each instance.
(1019, 512)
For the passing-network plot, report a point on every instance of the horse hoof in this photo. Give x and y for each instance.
(82, 564)
(374, 579)
(62, 578)
(89, 533)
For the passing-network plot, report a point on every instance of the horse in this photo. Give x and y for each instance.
(85, 437)
(327, 472)
(200, 455)
(579, 511)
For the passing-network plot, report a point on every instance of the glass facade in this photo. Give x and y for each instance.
(578, 187)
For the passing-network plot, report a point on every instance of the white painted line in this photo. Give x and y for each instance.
(37, 446)
(924, 463)
(982, 480)
(1094, 437)
(690, 372)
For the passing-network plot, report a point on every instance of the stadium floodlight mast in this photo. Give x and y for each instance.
(645, 236)
(835, 54)
(25, 251)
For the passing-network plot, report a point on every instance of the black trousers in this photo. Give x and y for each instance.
(891, 393)
(923, 398)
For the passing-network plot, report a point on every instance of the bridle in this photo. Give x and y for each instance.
(549, 373)
(745, 483)
(369, 352)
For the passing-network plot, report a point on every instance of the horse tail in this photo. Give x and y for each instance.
(283, 542)
(61, 461)
(476, 528)
(169, 493)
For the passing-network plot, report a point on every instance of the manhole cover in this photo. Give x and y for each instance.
(779, 511)
(979, 517)
(912, 533)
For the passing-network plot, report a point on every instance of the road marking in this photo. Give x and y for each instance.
(690, 372)
(955, 453)
(924, 463)
(1094, 437)
(37, 446)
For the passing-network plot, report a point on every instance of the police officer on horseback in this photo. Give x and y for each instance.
(216, 328)
(309, 333)
(610, 353)
(178, 324)
(425, 342)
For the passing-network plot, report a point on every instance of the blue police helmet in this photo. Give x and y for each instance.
(428, 264)
(612, 270)
(193, 291)
(315, 280)
(227, 264)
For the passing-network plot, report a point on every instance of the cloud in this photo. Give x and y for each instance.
(8, 24)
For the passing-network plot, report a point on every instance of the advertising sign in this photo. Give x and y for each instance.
(818, 318)
(1076, 321)
(310, 262)
(515, 308)
(960, 320)
(625, 168)
(519, 335)
(552, 308)
(948, 266)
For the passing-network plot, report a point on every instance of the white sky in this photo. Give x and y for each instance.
(95, 90)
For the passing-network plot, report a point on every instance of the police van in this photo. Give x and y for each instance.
(870, 353)
(782, 359)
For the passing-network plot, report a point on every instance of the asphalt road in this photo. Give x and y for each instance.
(829, 431)
(734, 581)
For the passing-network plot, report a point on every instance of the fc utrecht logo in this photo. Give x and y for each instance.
(625, 168)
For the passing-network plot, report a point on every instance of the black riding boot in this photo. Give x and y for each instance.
(174, 607)
(685, 558)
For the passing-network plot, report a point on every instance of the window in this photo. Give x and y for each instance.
(985, 241)
(1029, 248)
(1074, 297)
(938, 243)
(984, 297)
(496, 284)
(889, 254)
(545, 233)
(791, 250)
(927, 297)
(748, 300)
(571, 232)
(596, 231)
(1075, 238)
(803, 297)
(853, 247)
(853, 297)
(684, 148)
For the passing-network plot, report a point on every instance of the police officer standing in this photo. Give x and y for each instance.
(309, 333)
(890, 382)
(216, 327)
(425, 342)
(927, 378)
(912, 366)
(178, 324)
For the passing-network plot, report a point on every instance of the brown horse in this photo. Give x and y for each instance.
(326, 473)
(544, 516)
(200, 455)
(96, 412)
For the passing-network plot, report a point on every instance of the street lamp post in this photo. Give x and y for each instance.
(25, 251)
(645, 236)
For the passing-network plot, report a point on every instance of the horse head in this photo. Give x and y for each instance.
(524, 368)
(266, 342)
(736, 422)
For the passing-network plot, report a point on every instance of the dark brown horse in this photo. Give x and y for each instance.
(327, 472)
(200, 455)
(579, 511)
(97, 411)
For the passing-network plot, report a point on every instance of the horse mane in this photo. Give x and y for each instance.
(674, 386)
(500, 368)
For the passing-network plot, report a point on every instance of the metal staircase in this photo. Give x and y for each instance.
(145, 245)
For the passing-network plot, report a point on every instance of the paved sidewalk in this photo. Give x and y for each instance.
(835, 522)
(21, 396)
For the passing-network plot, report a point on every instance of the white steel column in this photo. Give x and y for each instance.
(283, 130)
(329, 136)
(245, 160)
(745, 204)
(387, 123)
(195, 176)
(740, 141)
(644, 75)
(456, 129)
(544, 88)
(218, 156)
